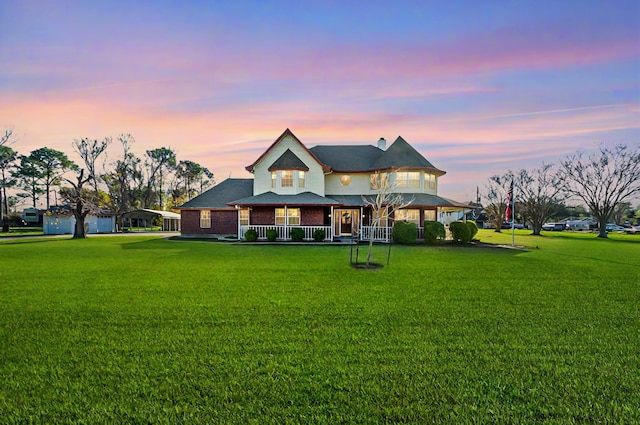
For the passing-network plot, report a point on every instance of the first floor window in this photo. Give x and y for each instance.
(205, 218)
(244, 216)
(280, 217)
(410, 215)
(429, 215)
(290, 216)
(293, 216)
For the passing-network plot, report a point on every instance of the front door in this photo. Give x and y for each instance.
(346, 222)
(346, 219)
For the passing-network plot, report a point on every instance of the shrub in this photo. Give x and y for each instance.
(272, 235)
(297, 234)
(318, 235)
(473, 229)
(250, 235)
(460, 232)
(404, 233)
(433, 231)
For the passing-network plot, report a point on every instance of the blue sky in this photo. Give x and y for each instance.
(477, 87)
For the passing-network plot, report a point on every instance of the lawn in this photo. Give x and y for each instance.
(138, 329)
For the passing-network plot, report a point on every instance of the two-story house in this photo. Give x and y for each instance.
(323, 187)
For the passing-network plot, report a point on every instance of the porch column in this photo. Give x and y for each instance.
(332, 224)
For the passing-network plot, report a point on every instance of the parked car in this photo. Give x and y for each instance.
(633, 230)
(553, 227)
(612, 227)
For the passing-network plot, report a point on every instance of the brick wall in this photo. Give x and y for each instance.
(312, 216)
(222, 223)
(262, 216)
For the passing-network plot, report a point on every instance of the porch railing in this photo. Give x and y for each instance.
(284, 232)
(381, 234)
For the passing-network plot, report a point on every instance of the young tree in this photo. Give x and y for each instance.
(7, 159)
(540, 192)
(622, 212)
(51, 164)
(496, 196)
(603, 179)
(382, 206)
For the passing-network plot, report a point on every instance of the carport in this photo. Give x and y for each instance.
(144, 219)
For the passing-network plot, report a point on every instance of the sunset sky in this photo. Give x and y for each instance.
(477, 87)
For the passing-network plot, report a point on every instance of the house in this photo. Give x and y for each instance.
(319, 188)
(59, 220)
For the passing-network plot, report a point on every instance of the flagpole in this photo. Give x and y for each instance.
(513, 214)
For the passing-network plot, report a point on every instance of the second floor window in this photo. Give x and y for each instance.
(429, 181)
(408, 179)
(300, 178)
(377, 180)
(286, 179)
(274, 179)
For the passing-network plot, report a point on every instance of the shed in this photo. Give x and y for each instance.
(59, 220)
(144, 219)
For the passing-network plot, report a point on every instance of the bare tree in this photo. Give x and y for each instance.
(76, 196)
(540, 192)
(496, 197)
(7, 158)
(89, 151)
(382, 206)
(6, 137)
(603, 179)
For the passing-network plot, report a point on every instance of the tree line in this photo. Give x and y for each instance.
(604, 181)
(157, 180)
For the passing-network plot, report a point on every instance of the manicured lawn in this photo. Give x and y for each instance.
(136, 329)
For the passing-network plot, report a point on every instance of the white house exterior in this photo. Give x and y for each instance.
(324, 187)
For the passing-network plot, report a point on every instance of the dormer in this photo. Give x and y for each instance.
(287, 167)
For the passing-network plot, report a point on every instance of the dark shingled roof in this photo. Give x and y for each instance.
(369, 158)
(402, 154)
(273, 199)
(288, 161)
(419, 200)
(347, 158)
(220, 195)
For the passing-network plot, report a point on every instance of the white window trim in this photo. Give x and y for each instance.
(205, 219)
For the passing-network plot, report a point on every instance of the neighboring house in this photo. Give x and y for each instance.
(60, 221)
(319, 188)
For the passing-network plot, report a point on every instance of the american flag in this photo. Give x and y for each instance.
(508, 214)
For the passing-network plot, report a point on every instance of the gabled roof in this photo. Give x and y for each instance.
(286, 133)
(288, 161)
(273, 199)
(400, 155)
(220, 195)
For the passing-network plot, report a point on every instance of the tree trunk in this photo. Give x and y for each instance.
(602, 227)
(78, 231)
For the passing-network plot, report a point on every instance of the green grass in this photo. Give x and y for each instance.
(22, 231)
(138, 329)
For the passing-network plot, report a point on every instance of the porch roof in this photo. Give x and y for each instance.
(419, 200)
(273, 199)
